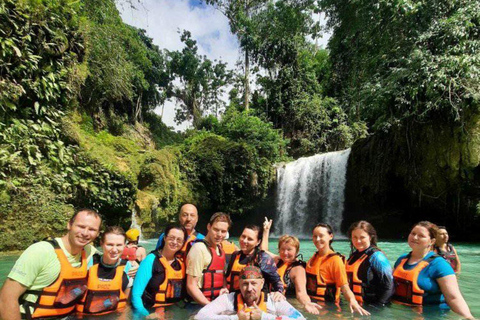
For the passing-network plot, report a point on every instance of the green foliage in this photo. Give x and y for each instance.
(162, 135)
(241, 127)
(321, 125)
(202, 82)
(28, 216)
(226, 175)
(125, 68)
(423, 65)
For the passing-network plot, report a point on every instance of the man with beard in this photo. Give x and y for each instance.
(251, 303)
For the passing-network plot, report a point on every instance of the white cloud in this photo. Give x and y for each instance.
(162, 19)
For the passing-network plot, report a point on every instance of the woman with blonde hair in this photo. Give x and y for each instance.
(290, 268)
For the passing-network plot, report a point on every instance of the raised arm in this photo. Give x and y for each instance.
(453, 296)
(267, 225)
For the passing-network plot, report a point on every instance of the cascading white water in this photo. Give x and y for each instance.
(134, 224)
(311, 190)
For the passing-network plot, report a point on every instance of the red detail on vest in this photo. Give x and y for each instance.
(130, 253)
(213, 275)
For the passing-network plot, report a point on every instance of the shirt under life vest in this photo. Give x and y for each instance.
(238, 305)
(283, 269)
(59, 298)
(103, 295)
(407, 290)
(317, 288)
(191, 240)
(229, 248)
(130, 253)
(448, 255)
(356, 284)
(213, 275)
(172, 289)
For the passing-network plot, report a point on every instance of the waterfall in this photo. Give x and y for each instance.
(134, 224)
(311, 190)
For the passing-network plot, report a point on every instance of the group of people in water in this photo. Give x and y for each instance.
(218, 280)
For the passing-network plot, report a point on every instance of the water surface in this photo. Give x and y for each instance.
(468, 280)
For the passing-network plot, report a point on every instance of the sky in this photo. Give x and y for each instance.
(164, 20)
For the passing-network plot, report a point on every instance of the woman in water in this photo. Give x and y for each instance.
(368, 270)
(250, 254)
(444, 249)
(290, 269)
(160, 278)
(107, 286)
(422, 277)
(326, 275)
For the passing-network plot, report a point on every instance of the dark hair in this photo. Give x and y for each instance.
(220, 217)
(259, 231)
(442, 227)
(171, 226)
(88, 211)
(431, 227)
(365, 226)
(329, 229)
(113, 230)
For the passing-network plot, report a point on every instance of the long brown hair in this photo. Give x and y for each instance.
(365, 226)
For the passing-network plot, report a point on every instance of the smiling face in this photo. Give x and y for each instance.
(287, 252)
(321, 239)
(112, 247)
(83, 230)
(360, 239)
(419, 239)
(217, 232)
(248, 240)
(174, 241)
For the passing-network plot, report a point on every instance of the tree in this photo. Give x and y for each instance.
(422, 66)
(239, 14)
(202, 82)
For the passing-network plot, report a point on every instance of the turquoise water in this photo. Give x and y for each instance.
(468, 280)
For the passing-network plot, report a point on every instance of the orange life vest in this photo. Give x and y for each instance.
(407, 290)
(356, 285)
(59, 298)
(229, 248)
(172, 289)
(239, 302)
(283, 270)
(103, 296)
(213, 275)
(233, 272)
(130, 253)
(317, 288)
(182, 254)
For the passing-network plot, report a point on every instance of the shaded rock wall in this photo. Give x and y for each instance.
(416, 172)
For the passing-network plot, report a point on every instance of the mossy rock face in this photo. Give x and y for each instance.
(416, 172)
(27, 217)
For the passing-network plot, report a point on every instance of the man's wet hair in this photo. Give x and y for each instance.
(88, 211)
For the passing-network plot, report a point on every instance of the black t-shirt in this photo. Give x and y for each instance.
(108, 272)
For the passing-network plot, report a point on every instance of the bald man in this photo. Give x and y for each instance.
(188, 218)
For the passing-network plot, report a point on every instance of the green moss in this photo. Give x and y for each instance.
(30, 216)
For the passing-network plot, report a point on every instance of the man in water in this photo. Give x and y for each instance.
(188, 218)
(50, 276)
(250, 303)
